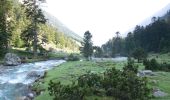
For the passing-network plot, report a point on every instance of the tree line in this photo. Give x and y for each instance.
(151, 38)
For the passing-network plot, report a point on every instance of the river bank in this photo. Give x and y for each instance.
(15, 81)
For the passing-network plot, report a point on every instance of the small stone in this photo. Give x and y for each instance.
(159, 94)
(30, 95)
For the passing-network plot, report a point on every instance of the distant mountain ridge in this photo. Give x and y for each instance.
(161, 13)
(52, 20)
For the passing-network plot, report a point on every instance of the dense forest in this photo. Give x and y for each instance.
(16, 30)
(151, 38)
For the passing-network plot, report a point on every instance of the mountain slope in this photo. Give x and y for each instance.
(162, 12)
(52, 20)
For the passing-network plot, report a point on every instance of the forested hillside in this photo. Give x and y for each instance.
(53, 21)
(15, 30)
(154, 37)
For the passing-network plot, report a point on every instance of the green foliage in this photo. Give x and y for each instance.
(58, 55)
(73, 57)
(89, 80)
(68, 92)
(152, 38)
(120, 85)
(154, 65)
(114, 47)
(97, 51)
(127, 86)
(28, 36)
(87, 45)
(117, 45)
(130, 66)
(36, 16)
(139, 54)
(5, 24)
(17, 27)
(129, 43)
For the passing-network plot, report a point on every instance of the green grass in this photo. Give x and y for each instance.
(163, 83)
(70, 71)
(162, 78)
(160, 57)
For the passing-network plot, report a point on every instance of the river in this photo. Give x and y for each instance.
(15, 80)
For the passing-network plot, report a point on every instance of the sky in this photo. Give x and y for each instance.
(103, 18)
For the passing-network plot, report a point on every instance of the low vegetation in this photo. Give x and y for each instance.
(119, 85)
(74, 76)
(73, 57)
(68, 72)
(155, 66)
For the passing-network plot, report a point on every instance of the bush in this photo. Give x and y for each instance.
(73, 57)
(130, 66)
(125, 85)
(155, 66)
(65, 92)
(120, 85)
(151, 65)
(59, 55)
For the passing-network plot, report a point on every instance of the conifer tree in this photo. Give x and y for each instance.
(34, 13)
(87, 45)
(5, 24)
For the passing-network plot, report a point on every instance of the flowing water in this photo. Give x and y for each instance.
(15, 80)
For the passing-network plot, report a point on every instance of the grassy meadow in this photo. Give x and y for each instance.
(69, 71)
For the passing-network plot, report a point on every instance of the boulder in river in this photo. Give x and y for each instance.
(35, 74)
(12, 59)
(31, 96)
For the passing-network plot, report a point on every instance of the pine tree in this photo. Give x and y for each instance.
(87, 45)
(5, 27)
(34, 13)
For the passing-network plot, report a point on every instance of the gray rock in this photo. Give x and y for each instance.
(31, 96)
(12, 59)
(145, 72)
(35, 74)
(159, 93)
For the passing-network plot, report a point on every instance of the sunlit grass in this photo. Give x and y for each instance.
(70, 71)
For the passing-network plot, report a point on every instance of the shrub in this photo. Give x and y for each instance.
(91, 83)
(120, 85)
(151, 65)
(73, 57)
(126, 85)
(130, 66)
(154, 65)
(65, 92)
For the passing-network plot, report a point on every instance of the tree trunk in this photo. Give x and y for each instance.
(35, 43)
